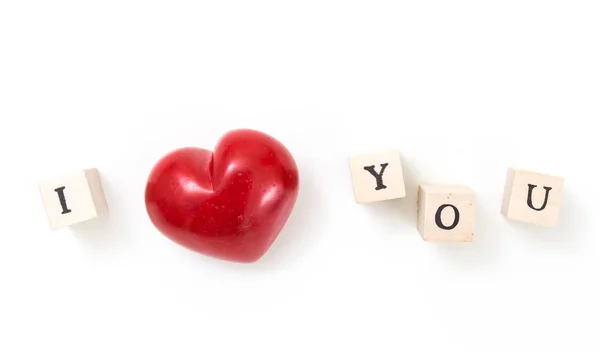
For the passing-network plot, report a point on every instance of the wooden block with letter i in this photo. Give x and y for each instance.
(377, 177)
(446, 213)
(532, 197)
(74, 198)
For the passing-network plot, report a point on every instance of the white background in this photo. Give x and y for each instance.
(464, 89)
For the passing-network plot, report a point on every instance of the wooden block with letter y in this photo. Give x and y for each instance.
(532, 197)
(446, 213)
(377, 177)
(74, 198)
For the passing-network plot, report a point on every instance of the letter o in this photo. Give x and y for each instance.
(438, 217)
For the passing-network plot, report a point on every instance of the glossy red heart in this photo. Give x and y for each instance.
(231, 203)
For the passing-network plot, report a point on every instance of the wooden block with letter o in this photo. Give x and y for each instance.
(74, 198)
(377, 176)
(532, 197)
(446, 213)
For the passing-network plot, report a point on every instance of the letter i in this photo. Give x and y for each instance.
(61, 198)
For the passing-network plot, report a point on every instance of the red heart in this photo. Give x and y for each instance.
(230, 204)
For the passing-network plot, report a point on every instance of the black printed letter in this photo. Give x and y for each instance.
(530, 200)
(61, 199)
(378, 177)
(438, 217)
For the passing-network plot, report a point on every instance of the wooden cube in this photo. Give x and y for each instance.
(446, 213)
(377, 176)
(74, 198)
(532, 197)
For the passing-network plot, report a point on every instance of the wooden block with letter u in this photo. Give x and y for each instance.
(446, 213)
(74, 198)
(532, 197)
(377, 176)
